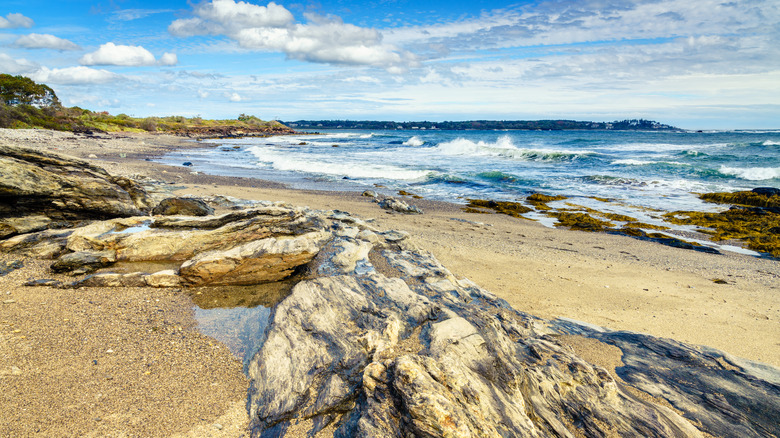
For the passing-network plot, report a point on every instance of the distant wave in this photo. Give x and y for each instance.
(414, 141)
(505, 148)
(771, 143)
(752, 173)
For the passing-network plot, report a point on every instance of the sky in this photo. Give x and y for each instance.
(703, 64)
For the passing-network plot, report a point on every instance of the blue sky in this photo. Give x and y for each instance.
(701, 64)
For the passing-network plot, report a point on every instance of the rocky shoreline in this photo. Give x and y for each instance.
(375, 337)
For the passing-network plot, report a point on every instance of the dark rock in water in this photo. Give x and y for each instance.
(187, 163)
(767, 191)
(7, 267)
(63, 188)
(183, 207)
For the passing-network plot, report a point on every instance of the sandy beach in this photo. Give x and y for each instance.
(131, 362)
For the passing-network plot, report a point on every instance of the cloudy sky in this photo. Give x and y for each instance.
(709, 64)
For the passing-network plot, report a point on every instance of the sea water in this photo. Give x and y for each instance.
(657, 170)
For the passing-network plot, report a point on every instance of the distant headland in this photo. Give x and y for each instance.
(531, 125)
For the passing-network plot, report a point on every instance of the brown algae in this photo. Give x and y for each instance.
(514, 209)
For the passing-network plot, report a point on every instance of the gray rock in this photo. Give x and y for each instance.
(399, 206)
(88, 260)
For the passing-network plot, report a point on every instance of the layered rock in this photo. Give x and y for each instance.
(55, 188)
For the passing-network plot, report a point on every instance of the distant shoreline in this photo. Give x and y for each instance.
(487, 125)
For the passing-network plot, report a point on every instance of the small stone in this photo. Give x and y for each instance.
(218, 426)
(9, 301)
(109, 351)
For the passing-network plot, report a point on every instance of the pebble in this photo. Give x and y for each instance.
(9, 301)
(217, 426)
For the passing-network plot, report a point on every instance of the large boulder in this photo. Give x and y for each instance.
(61, 189)
(256, 262)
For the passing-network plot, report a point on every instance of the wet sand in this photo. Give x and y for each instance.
(612, 281)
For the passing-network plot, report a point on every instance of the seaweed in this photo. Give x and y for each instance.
(539, 200)
(754, 218)
(514, 209)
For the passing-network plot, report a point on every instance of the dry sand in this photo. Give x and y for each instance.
(613, 281)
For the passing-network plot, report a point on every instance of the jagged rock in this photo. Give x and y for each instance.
(261, 261)
(166, 278)
(183, 207)
(420, 353)
(63, 188)
(399, 206)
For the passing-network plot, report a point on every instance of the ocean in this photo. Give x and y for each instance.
(636, 173)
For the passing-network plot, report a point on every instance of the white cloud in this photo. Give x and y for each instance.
(44, 41)
(12, 21)
(73, 76)
(13, 66)
(129, 56)
(203, 94)
(272, 27)
(168, 59)
(235, 97)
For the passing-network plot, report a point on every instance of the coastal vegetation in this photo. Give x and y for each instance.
(533, 125)
(25, 104)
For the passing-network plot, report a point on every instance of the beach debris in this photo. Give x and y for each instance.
(183, 207)
(187, 164)
(370, 194)
(399, 206)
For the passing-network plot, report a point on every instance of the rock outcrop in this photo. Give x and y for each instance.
(41, 190)
(376, 338)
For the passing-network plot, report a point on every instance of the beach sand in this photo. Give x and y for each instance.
(611, 281)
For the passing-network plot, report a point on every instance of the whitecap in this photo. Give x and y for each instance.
(752, 173)
(414, 141)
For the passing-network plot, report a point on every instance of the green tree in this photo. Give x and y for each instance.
(20, 90)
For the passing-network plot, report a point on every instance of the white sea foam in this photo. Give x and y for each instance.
(632, 162)
(771, 143)
(752, 173)
(323, 165)
(504, 147)
(414, 141)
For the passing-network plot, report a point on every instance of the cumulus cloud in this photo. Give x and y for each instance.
(13, 66)
(73, 76)
(273, 28)
(44, 41)
(235, 97)
(128, 56)
(12, 21)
